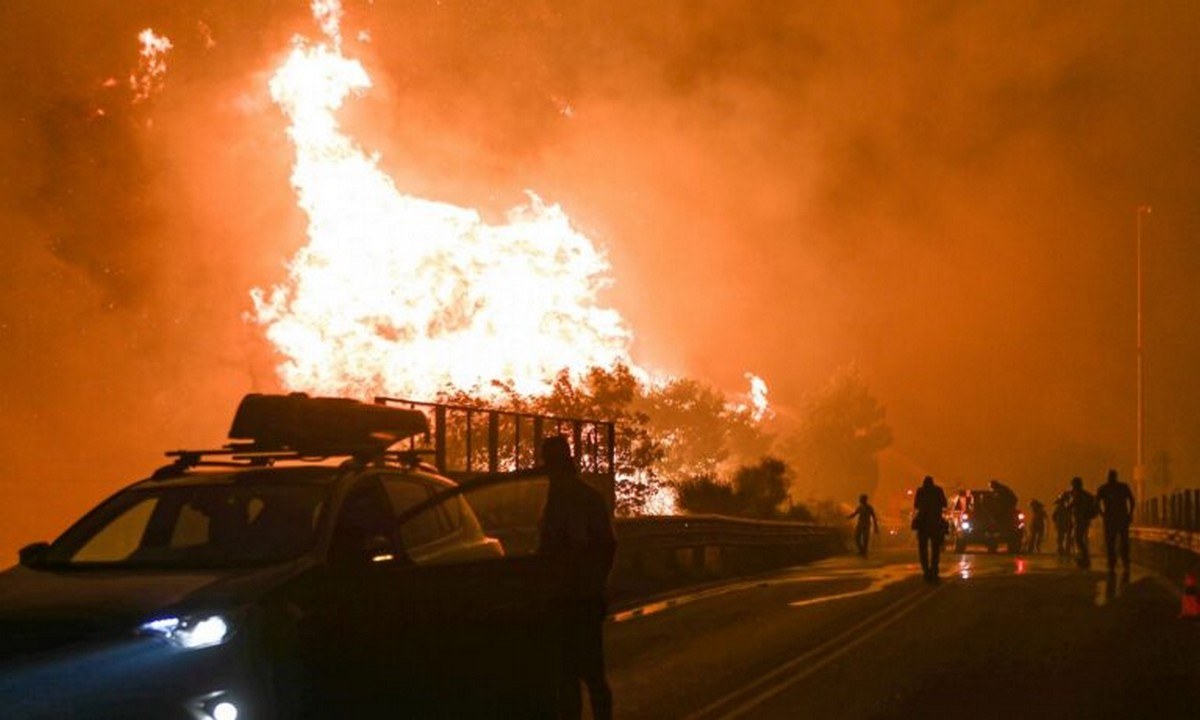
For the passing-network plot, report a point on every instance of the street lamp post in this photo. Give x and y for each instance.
(1139, 470)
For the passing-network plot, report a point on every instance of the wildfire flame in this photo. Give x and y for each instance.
(399, 294)
(759, 408)
(152, 65)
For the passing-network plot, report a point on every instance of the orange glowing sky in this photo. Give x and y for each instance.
(942, 196)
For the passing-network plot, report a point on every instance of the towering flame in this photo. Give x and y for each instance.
(399, 294)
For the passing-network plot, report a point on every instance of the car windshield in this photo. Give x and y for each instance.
(195, 526)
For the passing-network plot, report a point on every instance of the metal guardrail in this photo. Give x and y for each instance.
(657, 553)
(1166, 534)
(1184, 539)
(682, 531)
(1178, 510)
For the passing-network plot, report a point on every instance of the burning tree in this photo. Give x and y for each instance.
(665, 431)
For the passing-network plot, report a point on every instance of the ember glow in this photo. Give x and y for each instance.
(152, 65)
(403, 295)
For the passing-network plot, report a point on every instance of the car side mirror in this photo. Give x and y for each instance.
(30, 554)
(380, 549)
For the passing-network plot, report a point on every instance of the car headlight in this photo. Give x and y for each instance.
(189, 631)
(966, 525)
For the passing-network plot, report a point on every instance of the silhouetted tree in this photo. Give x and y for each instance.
(755, 491)
(761, 488)
(702, 431)
(705, 495)
(834, 452)
(612, 394)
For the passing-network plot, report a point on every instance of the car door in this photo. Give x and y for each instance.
(424, 635)
(350, 647)
(485, 629)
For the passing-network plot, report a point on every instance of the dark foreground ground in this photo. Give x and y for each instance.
(999, 637)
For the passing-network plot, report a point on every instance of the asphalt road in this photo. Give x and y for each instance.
(1000, 637)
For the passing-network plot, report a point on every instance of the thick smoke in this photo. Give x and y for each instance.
(943, 196)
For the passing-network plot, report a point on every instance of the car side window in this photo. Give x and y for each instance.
(191, 528)
(121, 538)
(405, 492)
(364, 522)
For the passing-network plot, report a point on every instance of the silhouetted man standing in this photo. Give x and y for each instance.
(929, 503)
(862, 531)
(1083, 510)
(577, 529)
(1116, 507)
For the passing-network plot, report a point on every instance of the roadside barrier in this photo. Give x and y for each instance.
(658, 553)
(1166, 537)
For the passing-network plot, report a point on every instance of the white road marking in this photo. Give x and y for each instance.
(809, 662)
(889, 576)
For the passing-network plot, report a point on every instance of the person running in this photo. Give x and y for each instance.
(1116, 508)
(1083, 511)
(929, 503)
(1037, 525)
(1062, 523)
(862, 530)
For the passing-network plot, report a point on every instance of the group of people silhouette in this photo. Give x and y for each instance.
(1076, 508)
(1074, 511)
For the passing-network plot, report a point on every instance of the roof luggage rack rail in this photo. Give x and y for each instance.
(236, 456)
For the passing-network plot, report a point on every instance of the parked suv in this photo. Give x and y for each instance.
(982, 517)
(303, 571)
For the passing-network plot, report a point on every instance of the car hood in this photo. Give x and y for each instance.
(45, 593)
(41, 609)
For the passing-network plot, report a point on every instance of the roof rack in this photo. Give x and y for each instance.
(239, 456)
(269, 428)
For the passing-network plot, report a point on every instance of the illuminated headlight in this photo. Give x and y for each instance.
(966, 525)
(189, 632)
(217, 705)
(225, 710)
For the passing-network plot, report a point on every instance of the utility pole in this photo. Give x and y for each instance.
(1139, 470)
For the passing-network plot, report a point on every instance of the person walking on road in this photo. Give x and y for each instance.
(862, 531)
(931, 527)
(1037, 525)
(1116, 508)
(576, 529)
(1083, 511)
